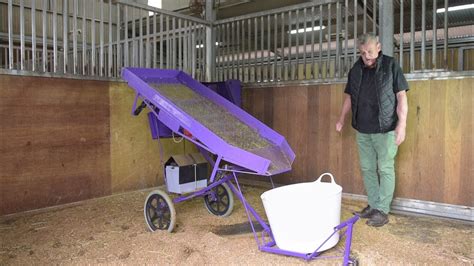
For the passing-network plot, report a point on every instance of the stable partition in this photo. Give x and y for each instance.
(434, 164)
(66, 140)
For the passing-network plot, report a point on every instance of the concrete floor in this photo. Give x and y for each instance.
(112, 230)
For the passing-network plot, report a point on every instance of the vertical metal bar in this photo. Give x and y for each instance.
(155, 58)
(374, 16)
(231, 50)
(355, 32)
(202, 40)
(10, 34)
(147, 44)
(194, 50)
(179, 58)
(238, 53)
(17, 57)
(282, 52)
(423, 34)
(126, 62)
(275, 46)
(93, 58)
(198, 43)
(304, 44)
(178, 43)
(199, 52)
(222, 52)
(401, 34)
(204, 55)
(320, 65)
(435, 37)
(45, 45)
(33, 35)
(365, 17)
(84, 43)
(5, 51)
(230, 69)
(134, 53)
(255, 70)
(118, 54)
(297, 67)
(199, 48)
(313, 18)
(218, 52)
(346, 38)
(140, 38)
(374, 26)
(225, 34)
(289, 71)
(412, 39)
(55, 36)
(242, 50)
(161, 41)
(168, 42)
(268, 47)
(328, 51)
(249, 22)
(445, 52)
(74, 37)
(110, 57)
(187, 48)
(185, 45)
(22, 35)
(167, 38)
(262, 41)
(65, 35)
(173, 45)
(338, 43)
(27, 58)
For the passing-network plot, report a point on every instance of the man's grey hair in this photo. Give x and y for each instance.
(367, 37)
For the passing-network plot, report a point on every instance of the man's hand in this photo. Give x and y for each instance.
(399, 135)
(346, 106)
(339, 125)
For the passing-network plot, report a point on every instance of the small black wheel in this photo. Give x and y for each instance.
(159, 211)
(220, 200)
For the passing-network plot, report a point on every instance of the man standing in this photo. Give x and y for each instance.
(376, 93)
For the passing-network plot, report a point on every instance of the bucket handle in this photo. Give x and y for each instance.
(321, 176)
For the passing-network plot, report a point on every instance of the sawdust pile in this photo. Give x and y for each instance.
(111, 230)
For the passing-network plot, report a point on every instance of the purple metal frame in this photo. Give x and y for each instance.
(177, 120)
(270, 246)
(237, 160)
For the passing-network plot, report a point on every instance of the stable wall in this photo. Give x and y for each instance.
(435, 163)
(66, 140)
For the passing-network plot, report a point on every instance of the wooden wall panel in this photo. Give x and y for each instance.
(465, 187)
(54, 142)
(66, 140)
(435, 163)
(135, 157)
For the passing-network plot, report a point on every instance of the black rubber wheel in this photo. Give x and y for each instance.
(220, 200)
(159, 211)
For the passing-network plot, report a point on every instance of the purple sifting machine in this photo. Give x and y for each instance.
(230, 139)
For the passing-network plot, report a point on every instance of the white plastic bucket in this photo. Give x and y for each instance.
(302, 216)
